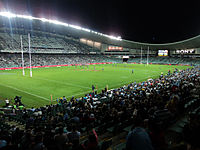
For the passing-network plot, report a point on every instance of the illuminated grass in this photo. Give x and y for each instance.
(72, 81)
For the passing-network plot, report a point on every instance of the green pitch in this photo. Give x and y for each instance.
(72, 81)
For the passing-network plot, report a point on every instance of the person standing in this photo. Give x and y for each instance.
(7, 102)
(61, 139)
(93, 88)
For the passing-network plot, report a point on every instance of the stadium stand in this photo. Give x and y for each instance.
(155, 111)
(14, 60)
(167, 60)
(99, 121)
(43, 43)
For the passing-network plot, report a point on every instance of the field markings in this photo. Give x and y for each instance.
(23, 91)
(86, 92)
(5, 73)
(75, 85)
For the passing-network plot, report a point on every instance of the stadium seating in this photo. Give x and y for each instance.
(95, 121)
(110, 119)
(88, 125)
(167, 60)
(14, 60)
(43, 43)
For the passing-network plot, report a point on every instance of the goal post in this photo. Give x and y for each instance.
(29, 48)
(22, 56)
(141, 56)
(148, 56)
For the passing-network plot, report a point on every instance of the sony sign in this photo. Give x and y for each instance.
(186, 51)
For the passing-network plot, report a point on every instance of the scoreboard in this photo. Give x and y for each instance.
(163, 53)
(115, 48)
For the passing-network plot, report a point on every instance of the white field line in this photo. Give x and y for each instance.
(86, 92)
(25, 92)
(75, 85)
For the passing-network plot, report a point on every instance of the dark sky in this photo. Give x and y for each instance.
(142, 21)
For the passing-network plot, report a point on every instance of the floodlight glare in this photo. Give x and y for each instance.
(113, 37)
(64, 24)
(54, 21)
(84, 29)
(27, 17)
(75, 27)
(11, 15)
(7, 14)
(43, 19)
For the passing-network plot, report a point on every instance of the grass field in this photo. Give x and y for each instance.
(72, 81)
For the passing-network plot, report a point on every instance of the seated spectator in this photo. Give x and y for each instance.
(38, 144)
(157, 137)
(74, 137)
(138, 138)
(61, 139)
(191, 133)
(92, 142)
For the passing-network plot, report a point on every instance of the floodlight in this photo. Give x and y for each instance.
(75, 27)
(95, 32)
(54, 21)
(119, 37)
(64, 24)
(43, 19)
(28, 17)
(11, 15)
(25, 17)
(113, 37)
(84, 29)
(7, 14)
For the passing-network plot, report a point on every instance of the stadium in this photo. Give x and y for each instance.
(57, 78)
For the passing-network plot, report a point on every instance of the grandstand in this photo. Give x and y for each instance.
(165, 105)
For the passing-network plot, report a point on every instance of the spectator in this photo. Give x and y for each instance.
(138, 139)
(61, 139)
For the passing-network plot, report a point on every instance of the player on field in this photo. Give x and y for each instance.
(93, 88)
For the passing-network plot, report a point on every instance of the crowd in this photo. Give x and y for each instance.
(14, 60)
(43, 44)
(167, 60)
(149, 106)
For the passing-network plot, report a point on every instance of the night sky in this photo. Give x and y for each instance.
(141, 21)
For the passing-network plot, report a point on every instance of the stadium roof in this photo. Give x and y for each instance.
(108, 39)
(185, 44)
